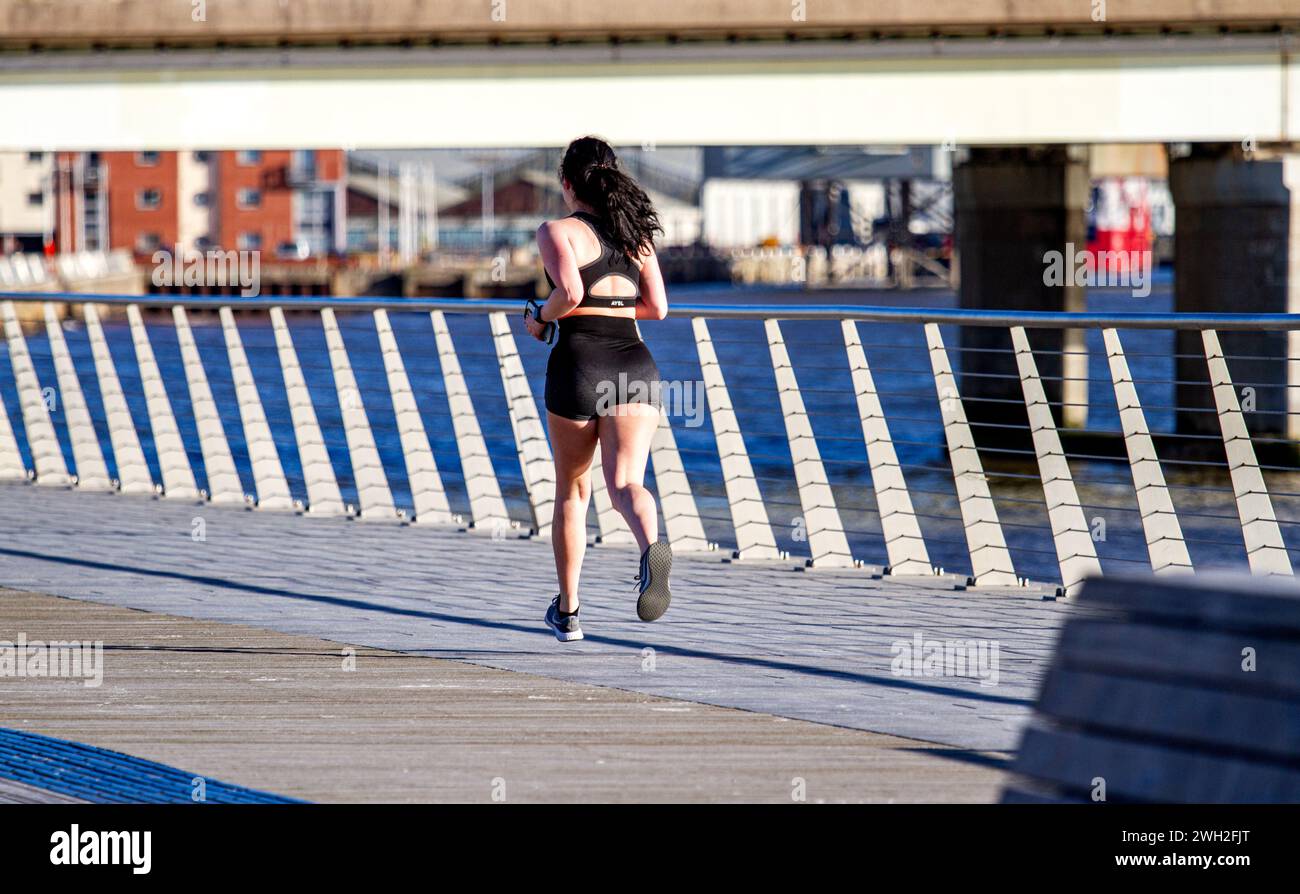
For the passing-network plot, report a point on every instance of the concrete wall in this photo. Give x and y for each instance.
(1234, 252)
(123, 21)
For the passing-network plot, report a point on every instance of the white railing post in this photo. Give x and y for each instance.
(1164, 535)
(754, 538)
(132, 470)
(989, 558)
(825, 531)
(11, 459)
(263, 457)
(323, 495)
(535, 459)
(427, 494)
(681, 518)
(92, 471)
(903, 541)
(224, 486)
(373, 494)
(173, 461)
(1076, 552)
(47, 455)
(1265, 549)
(487, 508)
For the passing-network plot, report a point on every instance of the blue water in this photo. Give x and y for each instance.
(896, 353)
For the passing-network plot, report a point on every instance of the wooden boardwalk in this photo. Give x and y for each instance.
(806, 656)
(278, 712)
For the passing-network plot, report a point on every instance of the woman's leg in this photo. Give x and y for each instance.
(574, 444)
(625, 435)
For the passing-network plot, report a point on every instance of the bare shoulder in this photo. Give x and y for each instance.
(647, 256)
(555, 229)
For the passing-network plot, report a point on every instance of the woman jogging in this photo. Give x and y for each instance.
(602, 385)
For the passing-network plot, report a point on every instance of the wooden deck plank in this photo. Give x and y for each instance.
(279, 713)
(816, 645)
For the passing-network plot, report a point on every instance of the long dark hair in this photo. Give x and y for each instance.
(592, 170)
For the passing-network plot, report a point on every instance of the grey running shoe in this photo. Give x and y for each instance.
(654, 595)
(565, 627)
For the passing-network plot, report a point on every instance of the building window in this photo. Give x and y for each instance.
(147, 199)
(204, 243)
(147, 243)
(35, 158)
(36, 199)
(248, 198)
(202, 199)
(203, 156)
(248, 157)
(146, 159)
(304, 164)
(250, 241)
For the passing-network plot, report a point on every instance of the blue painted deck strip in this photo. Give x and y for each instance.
(110, 777)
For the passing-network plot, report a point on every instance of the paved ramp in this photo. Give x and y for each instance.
(814, 646)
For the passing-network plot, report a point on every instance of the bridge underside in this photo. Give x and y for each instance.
(184, 23)
(979, 92)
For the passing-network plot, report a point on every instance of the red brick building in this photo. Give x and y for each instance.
(288, 204)
(255, 205)
(142, 193)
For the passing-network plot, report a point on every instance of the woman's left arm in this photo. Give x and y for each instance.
(653, 303)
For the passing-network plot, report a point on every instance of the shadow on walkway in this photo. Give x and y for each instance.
(973, 694)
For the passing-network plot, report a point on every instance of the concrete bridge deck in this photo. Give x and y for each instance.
(769, 639)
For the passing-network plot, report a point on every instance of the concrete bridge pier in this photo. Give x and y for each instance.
(1237, 249)
(1013, 206)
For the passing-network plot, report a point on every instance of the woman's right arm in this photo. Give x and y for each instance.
(558, 258)
(653, 303)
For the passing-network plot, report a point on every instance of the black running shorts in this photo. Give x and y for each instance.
(598, 363)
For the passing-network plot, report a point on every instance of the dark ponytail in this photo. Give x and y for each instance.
(592, 170)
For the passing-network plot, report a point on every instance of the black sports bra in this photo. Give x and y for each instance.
(611, 262)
